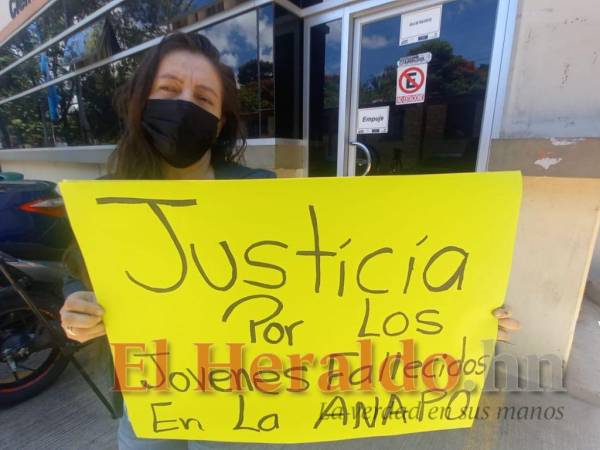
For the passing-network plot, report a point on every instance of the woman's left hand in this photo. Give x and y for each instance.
(505, 323)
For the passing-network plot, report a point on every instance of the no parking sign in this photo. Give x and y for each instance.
(411, 80)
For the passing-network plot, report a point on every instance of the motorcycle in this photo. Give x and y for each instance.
(34, 232)
(34, 351)
(30, 352)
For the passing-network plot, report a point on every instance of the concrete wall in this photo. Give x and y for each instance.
(579, 158)
(54, 171)
(551, 121)
(554, 89)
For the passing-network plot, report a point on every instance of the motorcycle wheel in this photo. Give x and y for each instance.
(25, 371)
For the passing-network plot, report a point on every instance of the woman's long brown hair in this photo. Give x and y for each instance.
(134, 157)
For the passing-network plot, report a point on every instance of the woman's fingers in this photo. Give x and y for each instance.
(85, 334)
(505, 323)
(83, 302)
(509, 324)
(503, 336)
(82, 332)
(502, 313)
(78, 320)
(81, 316)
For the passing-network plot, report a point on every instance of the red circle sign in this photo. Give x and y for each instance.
(412, 85)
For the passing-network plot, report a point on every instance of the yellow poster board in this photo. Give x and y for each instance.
(299, 310)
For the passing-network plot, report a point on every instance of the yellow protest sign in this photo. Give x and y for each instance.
(299, 310)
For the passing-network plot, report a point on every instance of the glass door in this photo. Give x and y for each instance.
(418, 87)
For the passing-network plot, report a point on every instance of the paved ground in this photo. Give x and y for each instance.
(68, 416)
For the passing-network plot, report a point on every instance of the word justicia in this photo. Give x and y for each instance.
(424, 268)
(269, 373)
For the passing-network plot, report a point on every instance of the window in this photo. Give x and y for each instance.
(131, 23)
(57, 18)
(325, 51)
(262, 45)
(77, 111)
(266, 72)
(288, 74)
(237, 40)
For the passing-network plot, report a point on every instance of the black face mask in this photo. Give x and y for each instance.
(180, 131)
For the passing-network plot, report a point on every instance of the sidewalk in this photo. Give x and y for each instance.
(68, 416)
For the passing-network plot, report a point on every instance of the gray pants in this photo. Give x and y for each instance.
(129, 441)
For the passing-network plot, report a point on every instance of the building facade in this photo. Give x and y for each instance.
(327, 87)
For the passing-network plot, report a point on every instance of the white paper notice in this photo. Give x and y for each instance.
(373, 120)
(421, 25)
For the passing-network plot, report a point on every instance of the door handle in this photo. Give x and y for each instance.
(367, 153)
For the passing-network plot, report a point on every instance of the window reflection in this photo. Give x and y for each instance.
(265, 67)
(77, 10)
(288, 73)
(187, 12)
(21, 123)
(261, 45)
(96, 42)
(93, 43)
(79, 111)
(236, 39)
(305, 3)
(76, 112)
(325, 55)
(57, 18)
(127, 25)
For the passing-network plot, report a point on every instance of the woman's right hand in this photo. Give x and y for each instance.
(81, 316)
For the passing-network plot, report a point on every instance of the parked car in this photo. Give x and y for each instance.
(33, 222)
(10, 176)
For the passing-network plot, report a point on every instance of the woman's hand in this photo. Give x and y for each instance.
(505, 323)
(81, 316)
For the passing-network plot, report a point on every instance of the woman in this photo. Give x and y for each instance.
(182, 122)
